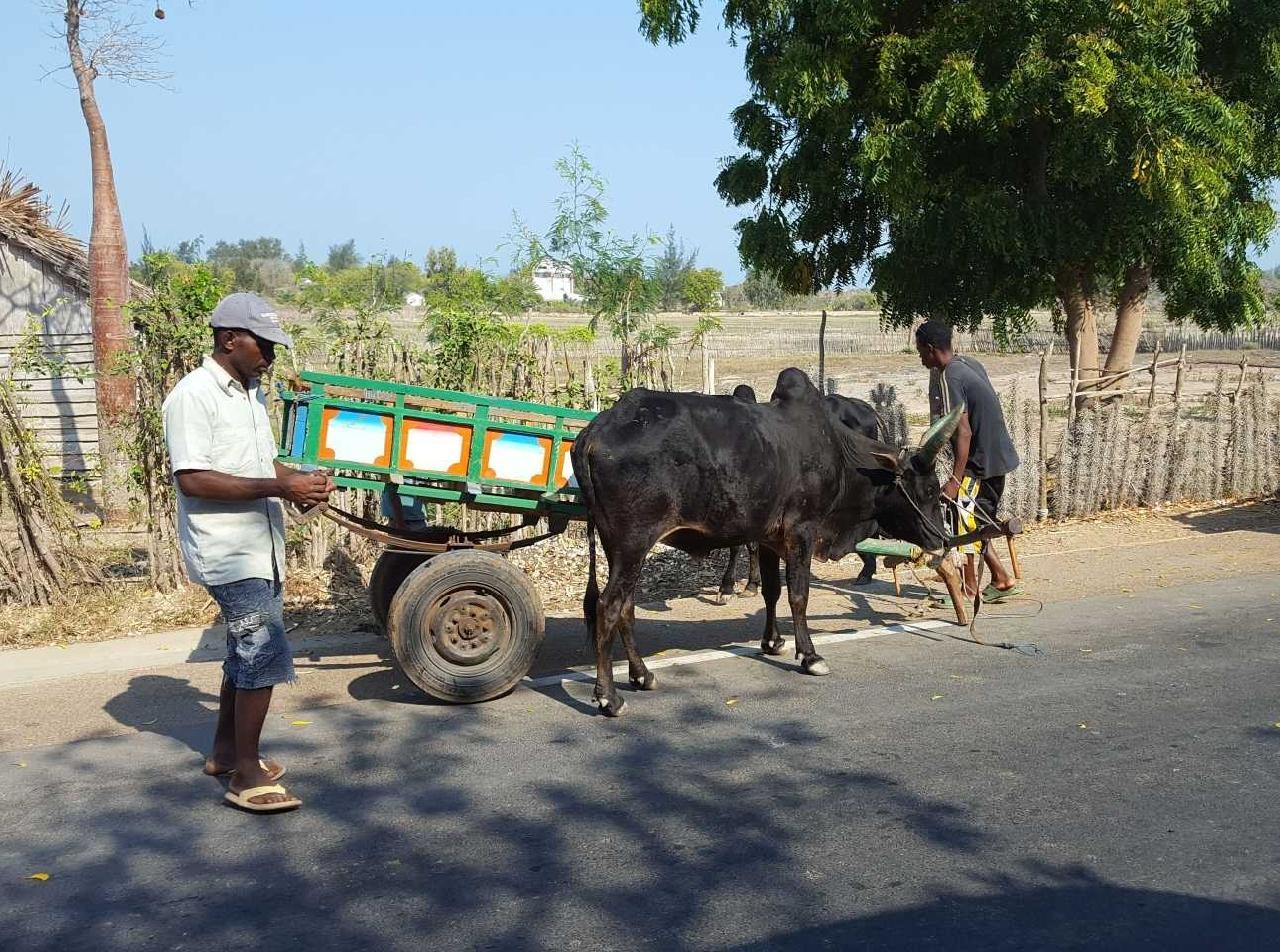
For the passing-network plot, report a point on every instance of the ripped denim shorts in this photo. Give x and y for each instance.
(258, 654)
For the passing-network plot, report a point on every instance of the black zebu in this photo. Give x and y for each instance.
(857, 415)
(706, 472)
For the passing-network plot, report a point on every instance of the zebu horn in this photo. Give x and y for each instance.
(938, 435)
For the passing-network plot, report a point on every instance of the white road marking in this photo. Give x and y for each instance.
(737, 651)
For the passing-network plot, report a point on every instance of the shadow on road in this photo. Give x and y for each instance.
(167, 707)
(430, 833)
(1262, 515)
(632, 828)
(1079, 911)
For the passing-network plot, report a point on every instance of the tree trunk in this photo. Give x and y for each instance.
(1074, 290)
(1131, 307)
(822, 353)
(108, 290)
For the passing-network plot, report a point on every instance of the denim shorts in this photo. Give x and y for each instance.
(258, 654)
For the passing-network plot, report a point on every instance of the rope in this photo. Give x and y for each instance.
(927, 604)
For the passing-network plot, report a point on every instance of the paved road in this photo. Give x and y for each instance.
(1121, 791)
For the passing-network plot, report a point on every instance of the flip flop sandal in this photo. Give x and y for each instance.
(992, 594)
(244, 799)
(944, 600)
(273, 777)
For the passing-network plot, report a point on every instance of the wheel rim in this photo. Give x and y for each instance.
(469, 626)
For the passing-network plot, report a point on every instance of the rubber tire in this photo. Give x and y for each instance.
(388, 574)
(488, 574)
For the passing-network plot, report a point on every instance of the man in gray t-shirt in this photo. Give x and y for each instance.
(984, 452)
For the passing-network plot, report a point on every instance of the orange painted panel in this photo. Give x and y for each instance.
(516, 457)
(432, 447)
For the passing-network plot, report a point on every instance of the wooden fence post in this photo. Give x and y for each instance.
(822, 353)
(1075, 386)
(1155, 358)
(589, 387)
(1042, 512)
(1177, 382)
(1244, 369)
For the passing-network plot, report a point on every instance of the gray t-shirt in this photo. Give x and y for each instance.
(964, 380)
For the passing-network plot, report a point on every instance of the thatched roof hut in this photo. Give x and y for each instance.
(27, 222)
(44, 289)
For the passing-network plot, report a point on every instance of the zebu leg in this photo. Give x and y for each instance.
(638, 673)
(798, 566)
(753, 575)
(868, 573)
(615, 612)
(726, 581)
(771, 643)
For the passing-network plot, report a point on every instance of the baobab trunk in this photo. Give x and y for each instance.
(108, 291)
(1074, 290)
(1131, 307)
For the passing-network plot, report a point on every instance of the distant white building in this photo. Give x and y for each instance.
(413, 299)
(554, 281)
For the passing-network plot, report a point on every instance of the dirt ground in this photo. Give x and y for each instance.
(1116, 553)
(856, 374)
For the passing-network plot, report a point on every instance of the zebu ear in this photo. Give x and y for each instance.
(938, 436)
(890, 461)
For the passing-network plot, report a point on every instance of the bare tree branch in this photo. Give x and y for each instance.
(114, 38)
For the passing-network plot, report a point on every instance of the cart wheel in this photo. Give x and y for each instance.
(465, 626)
(388, 574)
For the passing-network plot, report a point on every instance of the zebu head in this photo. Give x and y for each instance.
(909, 509)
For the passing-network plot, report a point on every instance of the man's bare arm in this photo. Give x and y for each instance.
(962, 442)
(305, 489)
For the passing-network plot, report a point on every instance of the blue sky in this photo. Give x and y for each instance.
(407, 125)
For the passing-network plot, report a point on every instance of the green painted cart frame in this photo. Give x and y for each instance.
(312, 394)
(464, 623)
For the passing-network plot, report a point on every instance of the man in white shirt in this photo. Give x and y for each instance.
(231, 531)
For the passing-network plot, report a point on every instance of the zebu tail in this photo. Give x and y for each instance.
(591, 598)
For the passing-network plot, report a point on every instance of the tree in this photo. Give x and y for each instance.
(702, 287)
(343, 256)
(987, 159)
(762, 290)
(191, 250)
(441, 261)
(256, 264)
(672, 268)
(612, 274)
(102, 40)
(171, 337)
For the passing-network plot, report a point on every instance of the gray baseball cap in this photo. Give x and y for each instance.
(248, 312)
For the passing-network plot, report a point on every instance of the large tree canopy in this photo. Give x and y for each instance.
(989, 157)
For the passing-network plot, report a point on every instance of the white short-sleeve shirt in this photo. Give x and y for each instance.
(212, 422)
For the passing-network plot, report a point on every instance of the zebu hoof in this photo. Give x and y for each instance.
(722, 598)
(648, 683)
(864, 580)
(773, 647)
(611, 708)
(751, 590)
(815, 666)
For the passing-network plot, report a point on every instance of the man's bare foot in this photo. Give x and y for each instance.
(242, 780)
(216, 767)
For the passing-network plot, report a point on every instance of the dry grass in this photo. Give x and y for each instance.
(112, 611)
(315, 600)
(334, 599)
